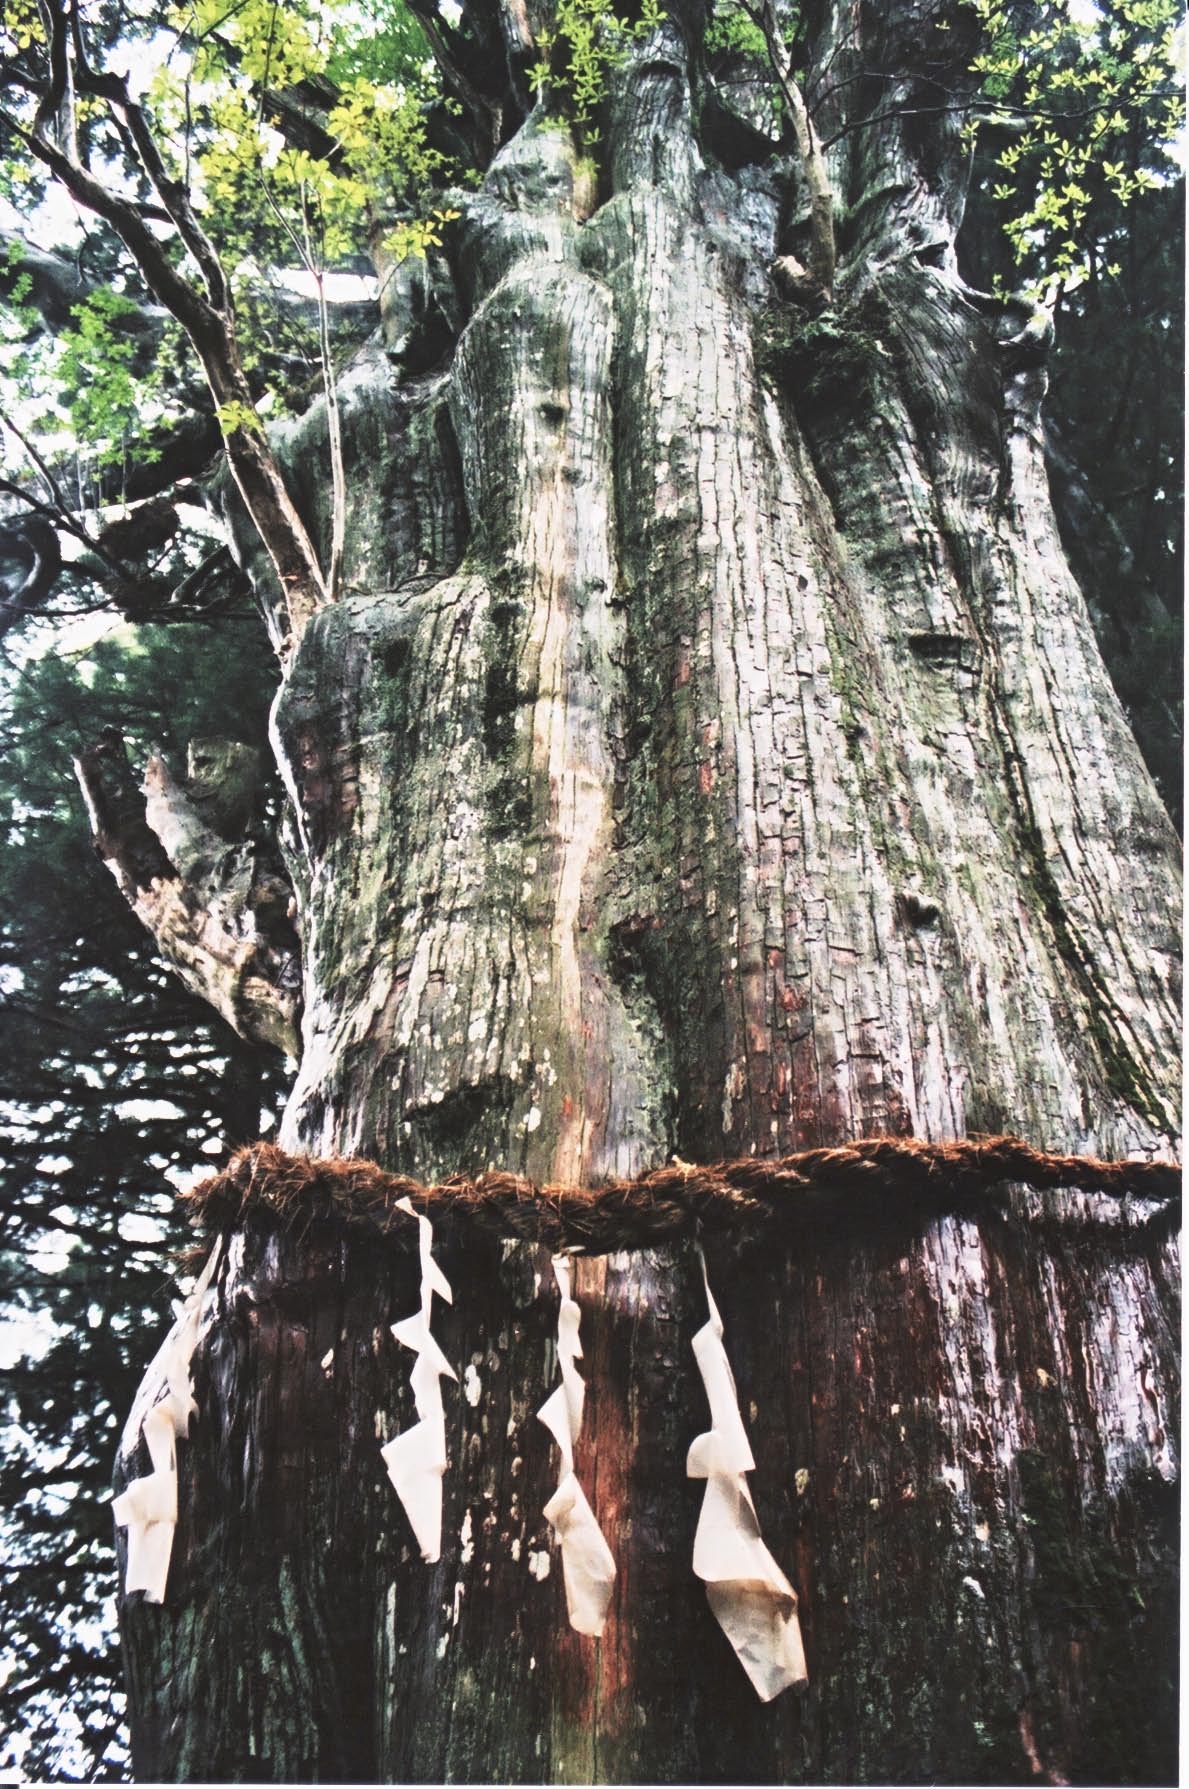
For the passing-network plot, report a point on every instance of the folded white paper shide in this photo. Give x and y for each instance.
(416, 1460)
(161, 1411)
(753, 1601)
(587, 1565)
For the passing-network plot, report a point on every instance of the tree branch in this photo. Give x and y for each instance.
(218, 911)
(822, 249)
(487, 113)
(1008, 110)
(208, 319)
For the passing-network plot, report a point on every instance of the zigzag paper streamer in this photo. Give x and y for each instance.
(161, 1411)
(753, 1601)
(416, 1460)
(587, 1565)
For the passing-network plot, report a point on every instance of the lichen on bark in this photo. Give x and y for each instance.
(709, 754)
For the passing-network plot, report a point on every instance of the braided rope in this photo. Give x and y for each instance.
(667, 1203)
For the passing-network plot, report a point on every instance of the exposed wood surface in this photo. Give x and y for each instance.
(219, 911)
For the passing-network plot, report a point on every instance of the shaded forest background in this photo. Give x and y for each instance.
(118, 1085)
(116, 1082)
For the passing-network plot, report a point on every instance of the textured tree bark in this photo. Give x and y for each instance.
(710, 754)
(218, 907)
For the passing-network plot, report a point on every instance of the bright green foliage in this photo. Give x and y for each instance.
(389, 47)
(417, 235)
(1089, 104)
(105, 399)
(20, 25)
(94, 384)
(17, 302)
(381, 131)
(734, 32)
(588, 40)
(302, 134)
(228, 102)
(232, 416)
(22, 182)
(383, 137)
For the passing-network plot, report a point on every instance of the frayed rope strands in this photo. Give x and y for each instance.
(669, 1202)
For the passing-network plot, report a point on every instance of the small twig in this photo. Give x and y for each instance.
(823, 250)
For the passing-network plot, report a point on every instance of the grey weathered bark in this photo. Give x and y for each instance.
(710, 754)
(218, 906)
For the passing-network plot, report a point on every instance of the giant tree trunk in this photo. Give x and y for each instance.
(710, 756)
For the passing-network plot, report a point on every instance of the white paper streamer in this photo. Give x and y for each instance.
(161, 1411)
(416, 1460)
(587, 1565)
(753, 1601)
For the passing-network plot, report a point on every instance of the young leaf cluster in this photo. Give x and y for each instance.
(588, 40)
(105, 397)
(294, 139)
(93, 384)
(1087, 105)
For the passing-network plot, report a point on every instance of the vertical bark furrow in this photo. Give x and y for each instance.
(750, 782)
(924, 522)
(484, 708)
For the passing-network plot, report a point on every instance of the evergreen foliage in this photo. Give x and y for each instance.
(116, 1083)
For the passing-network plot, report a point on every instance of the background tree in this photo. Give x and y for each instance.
(116, 1084)
(695, 743)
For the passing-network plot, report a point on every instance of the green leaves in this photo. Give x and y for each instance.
(587, 41)
(382, 133)
(233, 416)
(733, 31)
(104, 398)
(388, 47)
(298, 126)
(1092, 96)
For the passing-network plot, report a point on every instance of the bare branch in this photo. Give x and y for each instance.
(823, 251)
(217, 911)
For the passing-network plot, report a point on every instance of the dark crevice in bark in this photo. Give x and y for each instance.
(731, 139)
(651, 786)
(1132, 623)
(1124, 1071)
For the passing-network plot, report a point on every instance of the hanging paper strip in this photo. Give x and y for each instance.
(587, 1565)
(753, 1601)
(161, 1412)
(416, 1460)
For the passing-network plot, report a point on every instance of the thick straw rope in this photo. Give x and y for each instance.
(898, 1173)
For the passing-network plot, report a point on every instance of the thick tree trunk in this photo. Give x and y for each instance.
(710, 755)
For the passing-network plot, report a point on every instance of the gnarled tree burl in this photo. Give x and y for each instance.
(707, 754)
